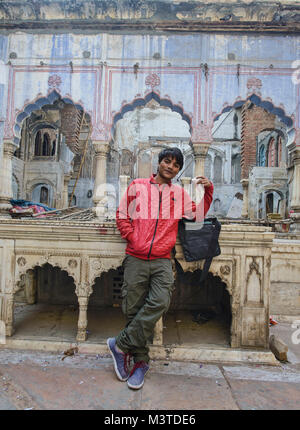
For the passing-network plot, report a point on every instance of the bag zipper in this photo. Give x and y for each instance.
(160, 196)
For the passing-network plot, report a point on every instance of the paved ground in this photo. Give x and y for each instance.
(31, 380)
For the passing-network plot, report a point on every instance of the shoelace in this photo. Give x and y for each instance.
(136, 366)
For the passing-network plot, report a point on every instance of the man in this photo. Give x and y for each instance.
(148, 218)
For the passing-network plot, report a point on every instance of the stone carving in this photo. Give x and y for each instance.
(33, 259)
(131, 10)
(54, 81)
(220, 268)
(202, 133)
(225, 270)
(254, 85)
(101, 264)
(83, 289)
(21, 261)
(152, 80)
(101, 132)
(72, 263)
(254, 281)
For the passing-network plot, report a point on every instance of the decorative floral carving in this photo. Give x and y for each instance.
(101, 132)
(254, 85)
(83, 289)
(225, 270)
(152, 80)
(202, 133)
(21, 261)
(54, 81)
(72, 263)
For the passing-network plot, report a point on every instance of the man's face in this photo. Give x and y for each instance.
(168, 168)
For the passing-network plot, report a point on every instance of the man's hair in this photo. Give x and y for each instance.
(173, 153)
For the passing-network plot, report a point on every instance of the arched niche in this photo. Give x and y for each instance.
(45, 304)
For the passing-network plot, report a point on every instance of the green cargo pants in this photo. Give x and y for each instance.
(146, 292)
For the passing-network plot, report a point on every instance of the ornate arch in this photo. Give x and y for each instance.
(221, 268)
(266, 104)
(28, 261)
(142, 101)
(38, 103)
(101, 264)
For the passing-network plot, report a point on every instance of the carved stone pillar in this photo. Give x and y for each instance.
(65, 191)
(99, 195)
(82, 319)
(123, 184)
(30, 287)
(295, 198)
(9, 315)
(200, 151)
(83, 292)
(186, 184)
(6, 193)
(245, 184)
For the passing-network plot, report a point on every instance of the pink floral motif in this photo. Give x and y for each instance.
(54, 81)
(152, 80)
(101, 132)
(254, 85)
(202, 133)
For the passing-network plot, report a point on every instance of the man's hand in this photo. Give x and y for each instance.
(203, 181)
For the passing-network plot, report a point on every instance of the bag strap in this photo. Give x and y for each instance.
(205, 269)
(204, 272)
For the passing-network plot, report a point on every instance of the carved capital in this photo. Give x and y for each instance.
(84, 290)
(101, 149)
(200, 149)
(9, 148)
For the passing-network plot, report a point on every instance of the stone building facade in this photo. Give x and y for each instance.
(90, 92)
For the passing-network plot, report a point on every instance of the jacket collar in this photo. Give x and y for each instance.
(153, 181)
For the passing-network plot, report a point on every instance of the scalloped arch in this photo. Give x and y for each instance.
(37, 104)
(39, 264)
(142, 101)
(269, 106)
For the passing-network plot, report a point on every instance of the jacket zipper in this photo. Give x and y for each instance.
(160, 195)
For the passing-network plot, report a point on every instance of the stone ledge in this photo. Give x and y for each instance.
(151, 15)
(199, 354)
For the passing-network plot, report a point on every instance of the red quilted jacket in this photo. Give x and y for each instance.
(149, 213)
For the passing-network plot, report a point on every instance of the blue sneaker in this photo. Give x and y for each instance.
(136, 377)
(120, 360)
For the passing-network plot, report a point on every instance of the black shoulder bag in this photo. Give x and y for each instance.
(199, 241)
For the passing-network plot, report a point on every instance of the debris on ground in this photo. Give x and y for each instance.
(272, 321)
(203, 316)
(69, 352)
(278, 347)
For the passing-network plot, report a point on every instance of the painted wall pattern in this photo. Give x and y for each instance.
(106, 73)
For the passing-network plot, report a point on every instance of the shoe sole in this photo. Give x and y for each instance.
(115, 364)
(136, 387)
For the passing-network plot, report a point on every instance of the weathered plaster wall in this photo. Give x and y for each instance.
(193, 72)
(285, 275)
